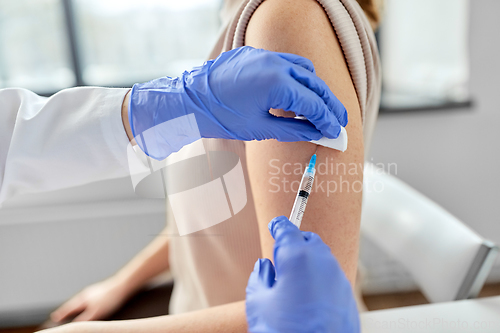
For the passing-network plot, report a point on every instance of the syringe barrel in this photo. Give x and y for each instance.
(303, 193)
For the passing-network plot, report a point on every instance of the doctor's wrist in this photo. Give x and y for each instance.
(126, 123)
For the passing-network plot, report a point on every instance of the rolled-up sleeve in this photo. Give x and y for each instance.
(73, 138)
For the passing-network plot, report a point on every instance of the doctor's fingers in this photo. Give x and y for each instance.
(319, 86)
(293, 96)
(284, 231)
(298, 60)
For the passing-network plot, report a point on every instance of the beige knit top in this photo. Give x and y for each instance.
(212, 266)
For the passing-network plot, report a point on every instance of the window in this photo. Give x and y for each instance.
(424, 51)
(124, 41)
(34, 50)
(48, 45)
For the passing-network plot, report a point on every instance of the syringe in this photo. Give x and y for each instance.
(299, 206)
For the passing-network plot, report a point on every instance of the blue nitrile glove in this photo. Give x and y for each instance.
(230, 98)
(307, 292)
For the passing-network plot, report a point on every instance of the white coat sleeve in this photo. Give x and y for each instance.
(73, 138)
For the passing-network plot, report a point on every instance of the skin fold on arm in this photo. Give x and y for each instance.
(334, 207)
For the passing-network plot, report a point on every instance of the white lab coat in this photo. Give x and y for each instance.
(73, 138)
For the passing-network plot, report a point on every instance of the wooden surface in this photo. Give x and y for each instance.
(19, 330)
(389, 301)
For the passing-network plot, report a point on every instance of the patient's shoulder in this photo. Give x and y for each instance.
(302, 27)
(294, 22)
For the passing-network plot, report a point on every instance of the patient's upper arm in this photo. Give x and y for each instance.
(302, 27)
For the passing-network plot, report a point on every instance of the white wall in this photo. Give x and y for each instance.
(451, 156)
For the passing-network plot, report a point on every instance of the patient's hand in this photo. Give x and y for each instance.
(95, 302)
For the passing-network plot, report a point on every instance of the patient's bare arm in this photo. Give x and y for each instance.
(302, 27)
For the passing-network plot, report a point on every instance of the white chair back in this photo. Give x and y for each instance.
(447, 259)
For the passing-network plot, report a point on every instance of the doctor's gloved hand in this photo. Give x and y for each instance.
(306, 290)
(230, 98)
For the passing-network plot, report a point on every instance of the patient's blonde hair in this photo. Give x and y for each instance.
(372, 9)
